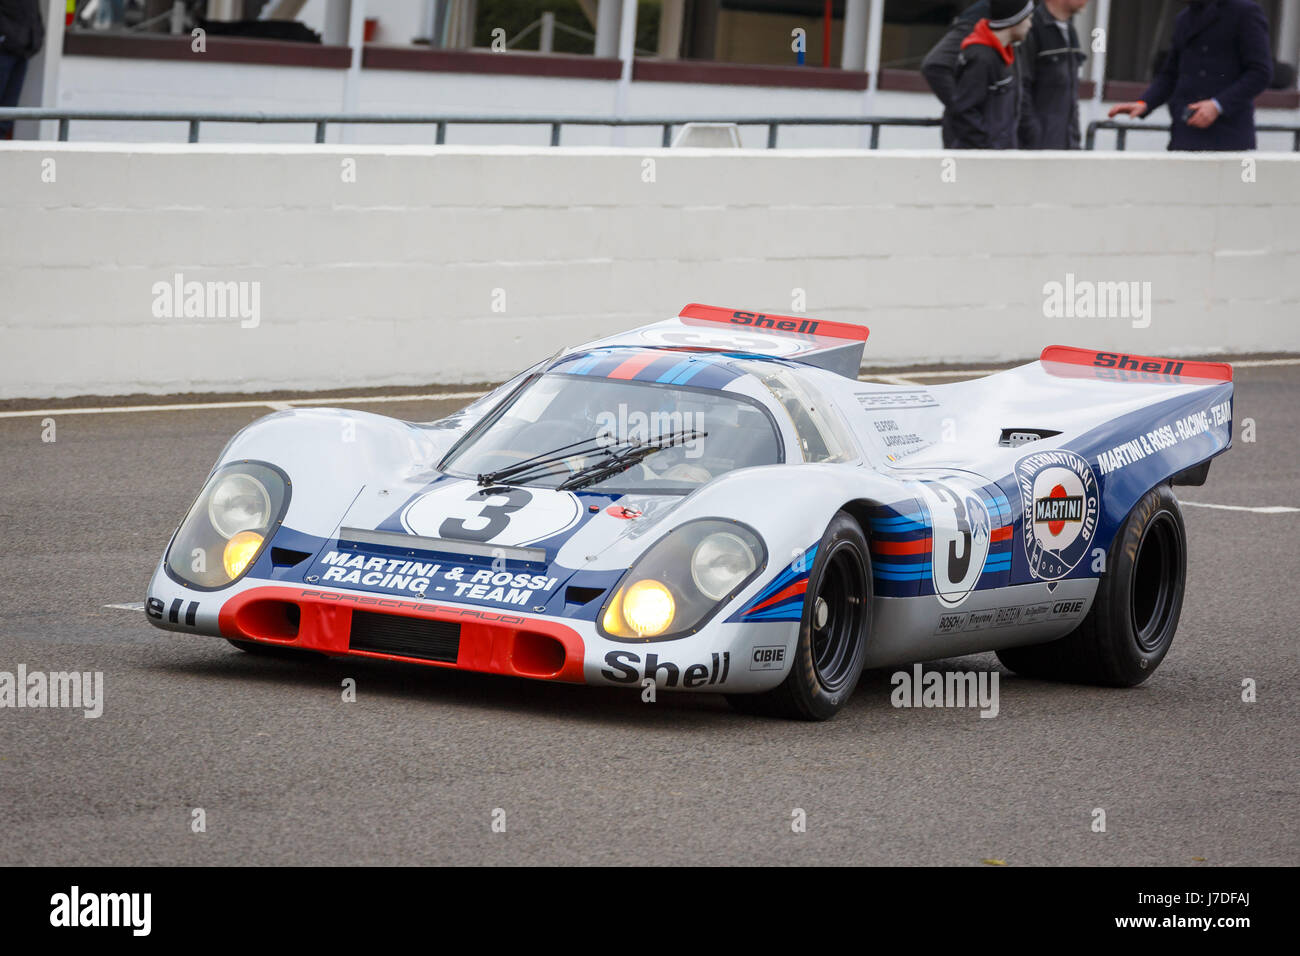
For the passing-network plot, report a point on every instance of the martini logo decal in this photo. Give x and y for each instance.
(1058, 491)
(1058, 508)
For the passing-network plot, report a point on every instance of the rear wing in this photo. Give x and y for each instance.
(1070, 362)
(836, 346)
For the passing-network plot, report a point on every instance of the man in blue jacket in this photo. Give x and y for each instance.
(1219, 62)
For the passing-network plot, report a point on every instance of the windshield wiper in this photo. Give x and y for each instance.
(619, 458)
(502, 475)
(615, 457)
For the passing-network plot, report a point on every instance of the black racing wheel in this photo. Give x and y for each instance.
(832, 635)
(1131, 624)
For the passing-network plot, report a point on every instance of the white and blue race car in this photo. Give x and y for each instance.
(716, 503)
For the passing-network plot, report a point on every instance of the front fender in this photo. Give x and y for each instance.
(789, 506)
(329, 454)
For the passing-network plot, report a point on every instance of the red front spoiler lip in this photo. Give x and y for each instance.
(492, 642)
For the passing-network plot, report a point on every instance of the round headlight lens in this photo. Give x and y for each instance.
(238, 503)
(239, 551)
(648, 608)
(720, 562)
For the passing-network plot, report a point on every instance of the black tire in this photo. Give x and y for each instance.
(271, 650)
(828, 658)
(1131, 625)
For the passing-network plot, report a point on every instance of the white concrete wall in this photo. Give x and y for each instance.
(391, 279)
(108, 83)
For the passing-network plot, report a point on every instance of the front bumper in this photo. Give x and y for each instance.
(722, 657)
(475, 639)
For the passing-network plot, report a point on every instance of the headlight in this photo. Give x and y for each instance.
(240, 551)
(720, 562)
(682, 580)
(648, 608)
(228, 526)
(239, 502)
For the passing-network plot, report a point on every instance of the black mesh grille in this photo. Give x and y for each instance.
(405, 636)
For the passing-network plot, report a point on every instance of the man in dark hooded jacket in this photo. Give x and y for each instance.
(21, 36)
(940, 65)
(1050, 60)
(1220, 61)
(985, 108)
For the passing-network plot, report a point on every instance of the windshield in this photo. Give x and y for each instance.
(554, 412)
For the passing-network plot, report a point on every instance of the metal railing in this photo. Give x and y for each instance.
(1123, 129)
(322, 121)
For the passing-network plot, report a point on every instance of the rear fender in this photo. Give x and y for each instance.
(1170, 442)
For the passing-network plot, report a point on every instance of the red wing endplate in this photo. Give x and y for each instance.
(1122, 367)
(836, 346)
(789, 324)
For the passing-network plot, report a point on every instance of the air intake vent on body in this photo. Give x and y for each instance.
(405, 636)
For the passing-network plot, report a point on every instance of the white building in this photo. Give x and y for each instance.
(598, 58)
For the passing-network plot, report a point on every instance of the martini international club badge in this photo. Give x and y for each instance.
(1058, 492)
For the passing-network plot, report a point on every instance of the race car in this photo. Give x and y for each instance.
(716, 503)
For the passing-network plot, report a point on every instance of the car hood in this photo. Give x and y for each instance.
(506, 547)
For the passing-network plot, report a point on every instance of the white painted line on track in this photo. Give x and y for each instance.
(1261, 510)
(1263, 363)
(127, 606)
(892, 379)
(277, 405)
(956, 373)
(980, 372)
(280, 405)
(359, 399)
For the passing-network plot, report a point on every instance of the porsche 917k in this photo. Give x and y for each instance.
(716, 503)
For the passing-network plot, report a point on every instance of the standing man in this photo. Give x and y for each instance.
(985, 108)
(1050, 59)
(940, 65)
(21, 36)
(1219, 62)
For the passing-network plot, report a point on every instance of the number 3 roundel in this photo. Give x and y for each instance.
(505, 516)
(960, 529)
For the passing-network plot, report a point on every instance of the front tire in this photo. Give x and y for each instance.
(1131, 625)
(832, 635)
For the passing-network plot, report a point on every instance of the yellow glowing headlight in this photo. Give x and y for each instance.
(648, 608)
(239, 551)
(614, 616)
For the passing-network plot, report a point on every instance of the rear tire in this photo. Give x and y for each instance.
(1131, 625)
(832, 635)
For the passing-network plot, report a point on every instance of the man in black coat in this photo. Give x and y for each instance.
(940, 65)
(985, 108)
(21, 36)
(1050, 59)
(1220, 61)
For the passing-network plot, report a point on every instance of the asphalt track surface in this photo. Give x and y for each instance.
(286, 772)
